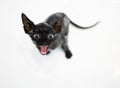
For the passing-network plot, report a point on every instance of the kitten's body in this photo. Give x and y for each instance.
(63, 34)
(56, 24)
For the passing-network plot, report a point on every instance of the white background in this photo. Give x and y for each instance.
(96, 52)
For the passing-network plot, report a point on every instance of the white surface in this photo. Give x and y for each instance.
(96, 52)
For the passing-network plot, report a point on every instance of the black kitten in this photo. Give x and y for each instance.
(51, 33)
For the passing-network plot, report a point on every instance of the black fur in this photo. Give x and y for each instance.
(51, 33)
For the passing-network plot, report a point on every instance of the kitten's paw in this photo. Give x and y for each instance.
(68, 54)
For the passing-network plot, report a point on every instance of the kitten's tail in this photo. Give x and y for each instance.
(81, 27)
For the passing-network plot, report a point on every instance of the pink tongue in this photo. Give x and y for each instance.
(43, 49)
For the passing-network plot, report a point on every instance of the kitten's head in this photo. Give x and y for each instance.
(42, 34)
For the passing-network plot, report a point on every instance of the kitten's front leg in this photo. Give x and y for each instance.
(66, 49)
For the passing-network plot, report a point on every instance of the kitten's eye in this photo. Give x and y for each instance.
(36, 36)
(50, 36)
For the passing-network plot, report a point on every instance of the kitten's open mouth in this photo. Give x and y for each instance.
(43, 49)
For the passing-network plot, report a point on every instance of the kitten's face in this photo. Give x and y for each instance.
(42, 36)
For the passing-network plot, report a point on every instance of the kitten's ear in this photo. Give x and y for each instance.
(58, 25)
(28, 24)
